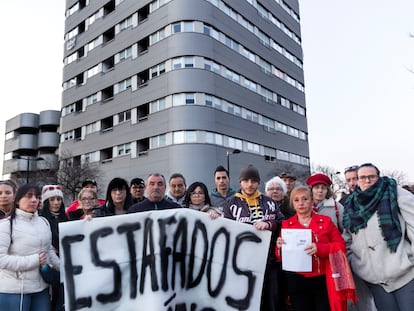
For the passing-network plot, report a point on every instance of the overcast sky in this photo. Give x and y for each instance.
(357, 57)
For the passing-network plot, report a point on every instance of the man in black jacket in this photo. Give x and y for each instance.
(252, 207)
(155, 189)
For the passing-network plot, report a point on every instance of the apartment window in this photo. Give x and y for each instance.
(209, 100)
(92, 99)
(68, 135)
(125, 24)
(207, 30)
(90, 128)
(91, 157)
(124, 149)
(93, 71)
(189, 62)
(158, 141)
(157, 105)
(190, 137)
(176, 27)
(157, 70)
(124, 116)
(123, 85)
(284, 102)
(68, 109)
(71, 58)
(189, 99)
(125, 53)
(188, 26)
(177, 63)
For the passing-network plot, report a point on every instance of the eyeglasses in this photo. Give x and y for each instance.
(274, 189)
(88, 199)
(351, 168)
(197, 193)
(368, 177)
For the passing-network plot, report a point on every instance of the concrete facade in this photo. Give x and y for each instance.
(173, 86)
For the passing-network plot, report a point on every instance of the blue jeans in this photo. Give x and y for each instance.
(31, 302)
(401, 299)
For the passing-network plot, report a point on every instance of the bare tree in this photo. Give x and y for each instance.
(281, 167)
(399, 176)
(71, 174)
(338, 182)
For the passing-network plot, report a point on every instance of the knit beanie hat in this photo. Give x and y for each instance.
(249, 172)
(49, 191)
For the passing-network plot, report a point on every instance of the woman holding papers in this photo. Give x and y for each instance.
(306, 281)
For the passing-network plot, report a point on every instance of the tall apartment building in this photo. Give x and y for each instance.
(30, 147)
(177, 85)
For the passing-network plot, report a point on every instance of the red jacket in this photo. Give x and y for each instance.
(324, 233)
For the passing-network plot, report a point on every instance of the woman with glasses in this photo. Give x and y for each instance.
(276, 189)
(379, 231)
(88, 200)
(197, 197)
(25, 247)
(118, 199)
(7, 193)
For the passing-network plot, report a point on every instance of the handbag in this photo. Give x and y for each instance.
(50, 275)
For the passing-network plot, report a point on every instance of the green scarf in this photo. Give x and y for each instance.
(381, 197)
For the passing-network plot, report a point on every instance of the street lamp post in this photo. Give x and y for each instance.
(28, 159)
(228, 153)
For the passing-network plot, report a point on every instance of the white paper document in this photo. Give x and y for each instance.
(294, 257)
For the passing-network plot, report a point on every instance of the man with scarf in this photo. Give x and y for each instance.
(252, 207)
(379, 231)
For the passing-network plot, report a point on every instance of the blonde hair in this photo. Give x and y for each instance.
(300, 189)
(87, 190)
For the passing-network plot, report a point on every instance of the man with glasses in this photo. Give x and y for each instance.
(137, 188)
(379, 231)
(351, 181)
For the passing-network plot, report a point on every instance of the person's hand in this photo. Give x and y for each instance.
(42, 258)
(311, 249)
(88, 217)
(213, 214)
(279, 242)
(262, 225)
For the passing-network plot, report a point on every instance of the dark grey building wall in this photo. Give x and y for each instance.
(196, 161)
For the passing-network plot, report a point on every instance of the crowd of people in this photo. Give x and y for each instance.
(361, 248)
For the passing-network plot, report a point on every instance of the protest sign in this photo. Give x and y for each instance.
(172, 260)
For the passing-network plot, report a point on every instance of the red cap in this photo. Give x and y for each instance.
(318, 179)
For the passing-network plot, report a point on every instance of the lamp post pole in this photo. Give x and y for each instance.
(228, 153)
(28, 159)
(27, 169)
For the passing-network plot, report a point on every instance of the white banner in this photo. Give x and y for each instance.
(170, 260)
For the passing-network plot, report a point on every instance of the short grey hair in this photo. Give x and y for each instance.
(276, 180)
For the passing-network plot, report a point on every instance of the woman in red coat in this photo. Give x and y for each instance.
(308, 290)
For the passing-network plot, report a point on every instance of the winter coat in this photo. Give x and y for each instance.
(19, 261)
(335, 210)
(324, 232)
(372, 260)
(217, 200)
